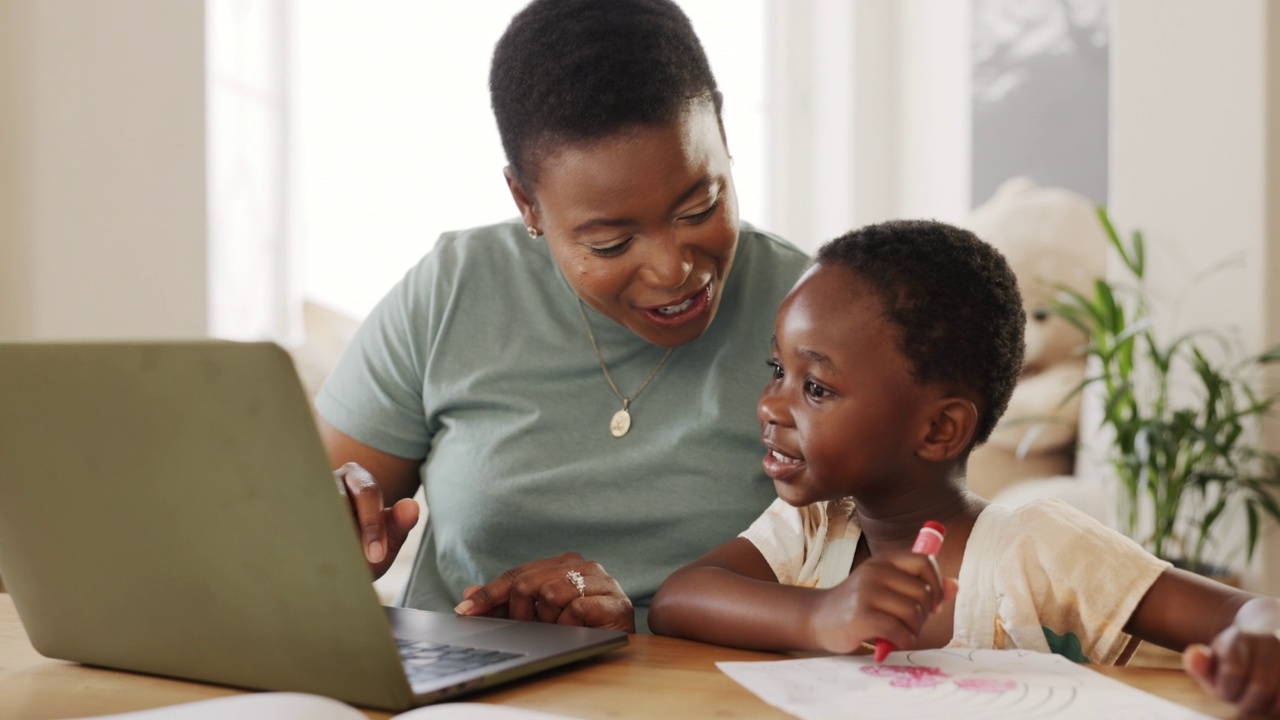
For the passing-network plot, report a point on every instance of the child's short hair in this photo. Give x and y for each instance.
(955, 299)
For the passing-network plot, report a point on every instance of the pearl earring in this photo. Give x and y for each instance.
(533, 231)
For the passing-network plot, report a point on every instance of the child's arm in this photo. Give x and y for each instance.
(731, 596)
(1230, 639)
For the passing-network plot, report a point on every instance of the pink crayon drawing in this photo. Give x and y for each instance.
(908, 676)
(924, 676)
(986, 684)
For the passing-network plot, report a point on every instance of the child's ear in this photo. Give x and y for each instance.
(951, 427)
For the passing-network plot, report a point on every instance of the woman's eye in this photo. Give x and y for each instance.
(775, 370)
(611, 250)
(814, 390)
(699, 217)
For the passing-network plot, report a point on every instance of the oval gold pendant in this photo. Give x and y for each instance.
(620, 423)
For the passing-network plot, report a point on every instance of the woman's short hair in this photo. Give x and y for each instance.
(570, 70)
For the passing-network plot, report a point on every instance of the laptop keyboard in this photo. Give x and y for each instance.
(425, 661)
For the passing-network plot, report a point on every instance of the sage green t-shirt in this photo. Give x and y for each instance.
(478, 361)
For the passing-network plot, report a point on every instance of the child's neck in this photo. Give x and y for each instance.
(891, 525)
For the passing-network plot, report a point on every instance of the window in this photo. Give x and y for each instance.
(392, 141)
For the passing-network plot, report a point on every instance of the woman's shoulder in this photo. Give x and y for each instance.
(754, 241)
(496, 243)
(495, 249)
(764, 269)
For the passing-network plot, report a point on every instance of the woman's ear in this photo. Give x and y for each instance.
(952, 423)
(524, 201)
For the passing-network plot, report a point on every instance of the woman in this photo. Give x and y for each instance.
(583, 379)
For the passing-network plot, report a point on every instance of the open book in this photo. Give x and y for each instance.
(302, 706)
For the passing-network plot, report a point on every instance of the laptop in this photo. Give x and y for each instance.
(168, 508)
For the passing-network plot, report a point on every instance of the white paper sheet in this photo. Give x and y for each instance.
(947, 684)
(304, 706)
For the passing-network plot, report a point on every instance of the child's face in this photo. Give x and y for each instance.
(841, 414)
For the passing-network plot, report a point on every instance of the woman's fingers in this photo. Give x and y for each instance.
(544, 592)
(565, 589)
(611, 612)
(499, 590)
(383, 530)
(365, 497)
(558, 594)
(399, 520)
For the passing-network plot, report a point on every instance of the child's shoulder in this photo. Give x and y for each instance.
(1044, 520)
(1052, 525)
(1048, 509)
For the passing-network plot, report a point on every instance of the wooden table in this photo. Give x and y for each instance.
(653, 677)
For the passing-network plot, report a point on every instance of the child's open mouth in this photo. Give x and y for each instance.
(778, 465)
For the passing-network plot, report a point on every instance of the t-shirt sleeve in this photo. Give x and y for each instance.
(1067, 580)
(780, 536)
(375, 393)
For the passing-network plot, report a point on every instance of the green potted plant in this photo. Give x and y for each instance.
(1182, 426)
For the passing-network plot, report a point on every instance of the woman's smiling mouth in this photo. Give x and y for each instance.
(677, 314)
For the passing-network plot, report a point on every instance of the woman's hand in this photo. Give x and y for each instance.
(382, 529)
(1242, 664)
(887, 597)
(565, 589)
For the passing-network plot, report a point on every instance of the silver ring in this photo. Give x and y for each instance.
(575, 577)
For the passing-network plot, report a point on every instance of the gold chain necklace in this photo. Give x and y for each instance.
(621, 421)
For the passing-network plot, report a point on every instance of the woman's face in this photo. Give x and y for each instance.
(643, 224)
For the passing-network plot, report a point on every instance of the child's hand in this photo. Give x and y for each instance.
(887, 597)
(1242, 665)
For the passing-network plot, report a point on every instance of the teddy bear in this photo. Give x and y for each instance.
(1052, 238)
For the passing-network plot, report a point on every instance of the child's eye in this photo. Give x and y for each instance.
(775, 370)
(814, 390)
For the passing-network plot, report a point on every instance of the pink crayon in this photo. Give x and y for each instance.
(928, 542)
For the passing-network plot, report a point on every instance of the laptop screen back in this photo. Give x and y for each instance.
(167, 508)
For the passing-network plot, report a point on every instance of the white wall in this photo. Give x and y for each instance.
(102, 182)
(1194, 165)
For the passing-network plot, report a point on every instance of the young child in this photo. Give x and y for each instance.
(893, 356)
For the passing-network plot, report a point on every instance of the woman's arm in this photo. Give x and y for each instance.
(380, 488)
(1230, 639)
